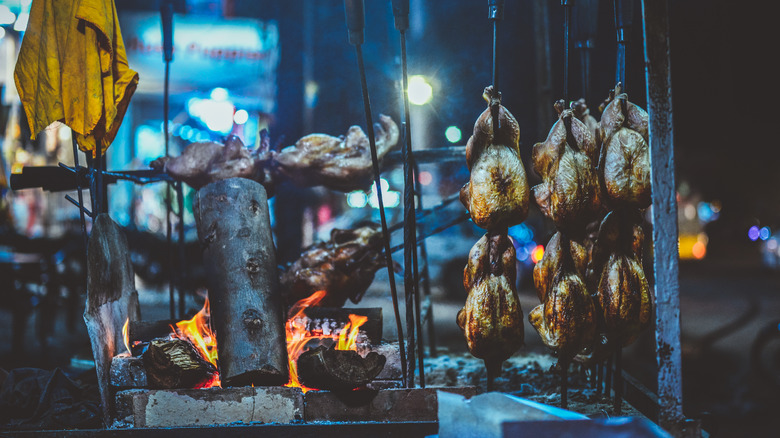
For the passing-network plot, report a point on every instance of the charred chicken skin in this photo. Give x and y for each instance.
(338, 163)
(624, 294)
(344, 267)
(625, 156)
(202, 163)
(545, 270)
(492, 319)
(566, 319)
(570, 193)
(497, 193)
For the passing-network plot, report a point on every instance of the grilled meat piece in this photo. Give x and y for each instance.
(625, 298)
(566, 320)
(570, 193)
(492, 320)
(497, 193)
(338, 163)
(544, 271)
(202, 163)
(582, 113)
(344, 267)
(625, 156)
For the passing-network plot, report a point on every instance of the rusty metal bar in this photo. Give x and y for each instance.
(665, 232)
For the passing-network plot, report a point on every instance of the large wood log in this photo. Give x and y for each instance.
(246, 307)
(174, 363)
(111, 300)
(338, 370)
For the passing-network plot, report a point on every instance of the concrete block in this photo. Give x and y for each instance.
(392, 368)
(213, 406)
(415, 404)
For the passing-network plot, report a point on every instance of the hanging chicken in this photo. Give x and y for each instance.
(569, 194)
(497, 192)
(492, 319)
(625, 156)
(582, 113)
(616, 267)
(566, 319)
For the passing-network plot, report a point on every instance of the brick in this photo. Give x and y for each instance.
(201, 407)
(415, 404)
(127, 372)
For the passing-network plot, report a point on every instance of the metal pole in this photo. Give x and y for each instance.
(78, 188)
(665, 232)
(166, 20)
(567, 4)
(354, 11)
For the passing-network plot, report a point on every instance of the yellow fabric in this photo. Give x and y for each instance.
(72, 67)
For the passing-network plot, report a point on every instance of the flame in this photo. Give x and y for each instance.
(198, 331)
(299, 336)
(126, 337)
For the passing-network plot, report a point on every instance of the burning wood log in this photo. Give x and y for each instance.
(372, 327)
(331, 369)
(175, 363)
(247, 313)
(111, 300)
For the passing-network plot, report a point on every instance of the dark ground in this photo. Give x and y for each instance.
(726, 301)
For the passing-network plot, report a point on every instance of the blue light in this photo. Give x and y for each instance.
(753, 233)
(705, 211)
(453, 134)
(764, 233)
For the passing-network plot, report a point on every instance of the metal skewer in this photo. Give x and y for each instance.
(624, 11)
(354, 11)
(567, 4)
(166, 13)
(411, 277)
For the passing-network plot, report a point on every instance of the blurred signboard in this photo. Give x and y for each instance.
(238, 54)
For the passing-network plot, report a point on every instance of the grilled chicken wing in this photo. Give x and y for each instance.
(625, 155)
(497, 192)
(344, 267)
(338, 163)
(566, 318)
(492, 319)
(570, 193)
(624, 294)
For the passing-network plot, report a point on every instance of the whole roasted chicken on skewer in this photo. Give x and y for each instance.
(625, 155)
(616, 268)
(582, 113)
(566, 319)
(497, 194)
(492, 319)
(569, 194)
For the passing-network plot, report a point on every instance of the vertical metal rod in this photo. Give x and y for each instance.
(564, 385)
(495, 14)
(566, 21)
(168, 195)
(608, 377)
(599, 379)
(180, 270)
(97, 168)
(617, 404)
(385, 232)
(78, 188)
(665, 231)
(411, 276)
(425, 279)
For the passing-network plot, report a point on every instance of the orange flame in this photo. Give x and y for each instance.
(299, 336)
(126, 337)
(198, 331)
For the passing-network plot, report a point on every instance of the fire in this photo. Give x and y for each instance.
(126, 337)
(299, 335)
(198, 331)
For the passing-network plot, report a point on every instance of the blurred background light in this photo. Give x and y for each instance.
(753, 233)
(764, 233)
(453, 134)
(219, 93)
(240, 117)
(21, 22)
(6, 16)
(419, 90)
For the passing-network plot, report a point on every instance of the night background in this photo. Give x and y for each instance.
(727, 160)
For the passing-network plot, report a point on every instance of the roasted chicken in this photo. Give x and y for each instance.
(582, 113)
(570, 193)
(545, 270)
(625, 156)
(202, 163)
(566, 319)
(497, 193)
(616, 267)
(492, 319)
(344, 267)
(338, 163)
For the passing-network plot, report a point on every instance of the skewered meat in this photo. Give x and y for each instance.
(202, 163)
(497, 192)
(566, 319)
(544, 271)
(624, 294)
(344, 267)
(625, 156)
(339, 163)
(582, 113)
(569, 194)
(492, 319)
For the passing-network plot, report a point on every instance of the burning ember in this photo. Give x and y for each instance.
(198, 332)
(302, 337)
